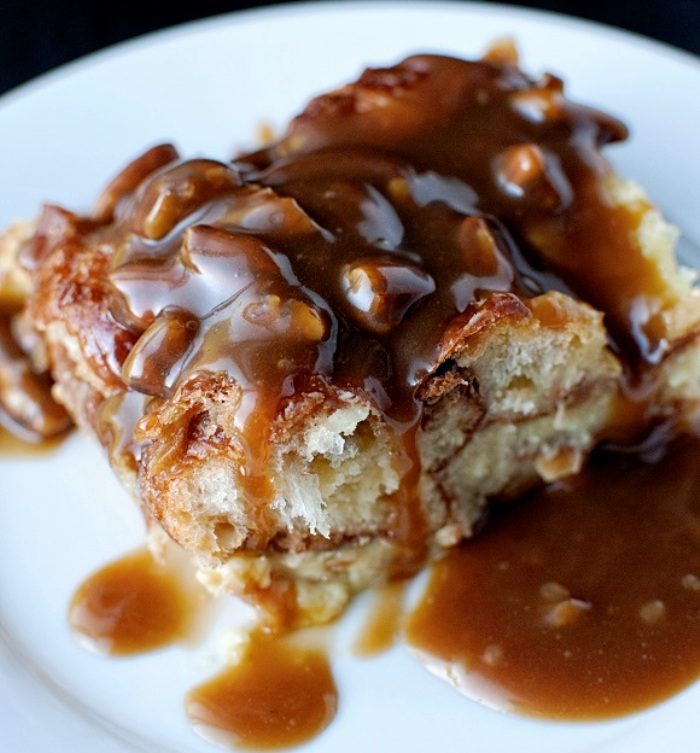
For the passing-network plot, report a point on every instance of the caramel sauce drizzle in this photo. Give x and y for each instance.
(533, 615)
(133, 605)
(383, 622)
(280, 694)
(579, 602)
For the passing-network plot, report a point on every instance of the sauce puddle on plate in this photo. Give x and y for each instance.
(280, 694)
(132, 606)
(582, 602)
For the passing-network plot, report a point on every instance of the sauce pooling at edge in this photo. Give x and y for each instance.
(580, 602)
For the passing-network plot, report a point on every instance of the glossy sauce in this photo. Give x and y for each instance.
(382, 625)
(131, 606)
(351, 252)
(277, 696)
(581, 602)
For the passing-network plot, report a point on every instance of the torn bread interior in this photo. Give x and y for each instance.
(315, 366)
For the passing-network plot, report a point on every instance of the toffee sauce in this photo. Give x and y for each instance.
(581, 601)
(382, 626)
(131, 606)
(280, 694)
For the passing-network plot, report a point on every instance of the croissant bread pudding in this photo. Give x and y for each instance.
(317, 365)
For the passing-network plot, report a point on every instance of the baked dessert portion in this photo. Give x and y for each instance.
(316, 365)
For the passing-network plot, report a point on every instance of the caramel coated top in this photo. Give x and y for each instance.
(353, 248)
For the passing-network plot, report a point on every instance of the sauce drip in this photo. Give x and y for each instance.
(279, 695)
(383, 623)
(346, 254)
(582, 602)
(131, 606)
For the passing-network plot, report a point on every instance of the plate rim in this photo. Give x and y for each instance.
(162, 36)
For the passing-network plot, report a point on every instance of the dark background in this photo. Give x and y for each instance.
(37, 36)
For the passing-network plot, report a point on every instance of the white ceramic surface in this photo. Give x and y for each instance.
(207, 86)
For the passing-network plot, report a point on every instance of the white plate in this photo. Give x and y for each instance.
(207, 86)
